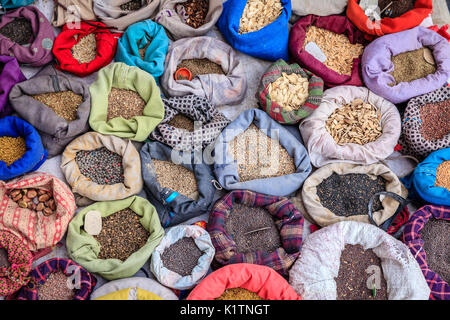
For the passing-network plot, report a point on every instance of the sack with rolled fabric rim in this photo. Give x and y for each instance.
(72, 12)
(10, 75)
(318, 7)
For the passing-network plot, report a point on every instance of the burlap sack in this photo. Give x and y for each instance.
(72, 11)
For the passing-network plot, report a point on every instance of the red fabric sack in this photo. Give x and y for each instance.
(106, 47)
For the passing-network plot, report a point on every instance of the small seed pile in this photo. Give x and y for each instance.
(132, 5)
(258, 156)
(85, 50)
(396, 9)
(252, 229)
(435, 120)
(351, 283)
(443, 175)
(201, 66)
(435, 235)
(39, 200)
(238, 294)
(55, 288)
(12, 149)
(122, 235)
(337, 48)
(143, 50)
(64, 104)
(196, 11)
(290, 91)
(357, 122)
(101, 165)
(4, 260)
(258, 14)
(124, 103)
(423, 61)
(19, 31)
(182, 256)
(182, 122)
(175, 177)
(349, 194)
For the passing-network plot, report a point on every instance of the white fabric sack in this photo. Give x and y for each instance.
(318, 7)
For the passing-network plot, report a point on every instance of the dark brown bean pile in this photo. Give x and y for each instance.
(196, 10)
(396, 9)
(349, 194)
(201, 66)
(4, 262)
(101, 165)
(351, 283)
(122, 235)
(435, 120)
(39, 200)
(435, 235)
(132, 5)
(182, 256)
(55, 288)
(19, 31)
(252, 229)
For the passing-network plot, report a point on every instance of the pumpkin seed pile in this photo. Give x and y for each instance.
(176, 177)
(124, 103)
(238, 294)
(101, 165)
(85, 50)
(12, 149)
(65, 103)
(289, 91)
(182, 256)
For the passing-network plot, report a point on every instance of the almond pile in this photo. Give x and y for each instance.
(290, 91)
(357, 122)
(38, 200)
(258, 14)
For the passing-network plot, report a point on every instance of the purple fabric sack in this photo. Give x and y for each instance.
(10, 74)
(39, 51)
(377, 64)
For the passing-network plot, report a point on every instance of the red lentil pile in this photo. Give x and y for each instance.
(435, 120)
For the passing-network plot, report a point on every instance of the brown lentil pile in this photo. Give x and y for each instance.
(85, 50)
(338, 49)
(38, 200)
(55, 288)
(238, 294)
(351, 283)
(254, 152)
(132, 5)
(435, 120)
(12, 149)
(412, 65)
(182, 256)
(182, 122)
(125, 103)
(259, 13)
(252, 229)
(443, 175)
(175, 177)
(396, 9)
(19, 31)
(4, 260)
(122, 235)
(64, 104)
(196, 11)
(435, 235)
(201, 66)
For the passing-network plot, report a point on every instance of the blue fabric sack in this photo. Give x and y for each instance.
(269, 43)
(35, 155)
(143, 32)
(225, 166)
(11, 4)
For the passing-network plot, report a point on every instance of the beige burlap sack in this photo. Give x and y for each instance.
(72, 11)
(324, 217)
(86, 188)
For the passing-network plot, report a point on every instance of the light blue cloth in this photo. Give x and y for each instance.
(11, 4)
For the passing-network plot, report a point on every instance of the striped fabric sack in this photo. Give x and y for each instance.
(277, 112)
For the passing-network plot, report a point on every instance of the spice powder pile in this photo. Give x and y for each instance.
(182, 256)
(443, 175)
(12, 149)
(259, 13)
(435, 120)
(19, 31)
(238, 294)
(200, 67)
(182, 122)
(176, 177)
(124, 103)
(55, 288)
(196, 12)
(85, 50)
(412, 65)
(65, 103)
(435, 235)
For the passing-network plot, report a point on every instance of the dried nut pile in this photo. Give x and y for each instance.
(12, 149)
(443, 175)
(196, 11)
(132, 5)
(55, 288)
(124, 103)
(238, 294)
(290, 91)
(337, 48)
(258, 14)
(175, 177)
(180, 121)
(86, 49)
(39, 200)
(64, 103)
(357, 122)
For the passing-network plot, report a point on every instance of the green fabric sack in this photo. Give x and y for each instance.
(122, 76)
(84, 249)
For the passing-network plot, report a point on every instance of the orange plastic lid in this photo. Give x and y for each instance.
(183, 74)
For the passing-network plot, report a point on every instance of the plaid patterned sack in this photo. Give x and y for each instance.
(440, 290)
(82, 281)
(287, 218)
(277, 112)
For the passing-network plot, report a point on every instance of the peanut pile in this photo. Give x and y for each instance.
(39, 200)
(290, 91)
(258, 14)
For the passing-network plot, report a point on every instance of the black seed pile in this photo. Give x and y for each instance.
(435, 235)
(132, 5)
(19, 31)
(101, 165)
(182, 256)
(4, 262)
(349, 194)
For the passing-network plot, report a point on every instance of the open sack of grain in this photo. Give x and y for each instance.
(243, 281)
(330, 47)
(10, 75)
(72, 11)
(27, 35)
(352, 124)
(406, 64)
(249, 227)
(135, 288)
(289, 93)
(358, 261)
(57, 106)
(50, 281)
(119, 244)
(101, 168)
(188, 18)
(227, 85)
(126, 102)
(183, 257)
(181, 190)
(256, 153)
(318, 7)
(144, 45)
(119, 14)
(426, 124)
(85, 48)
